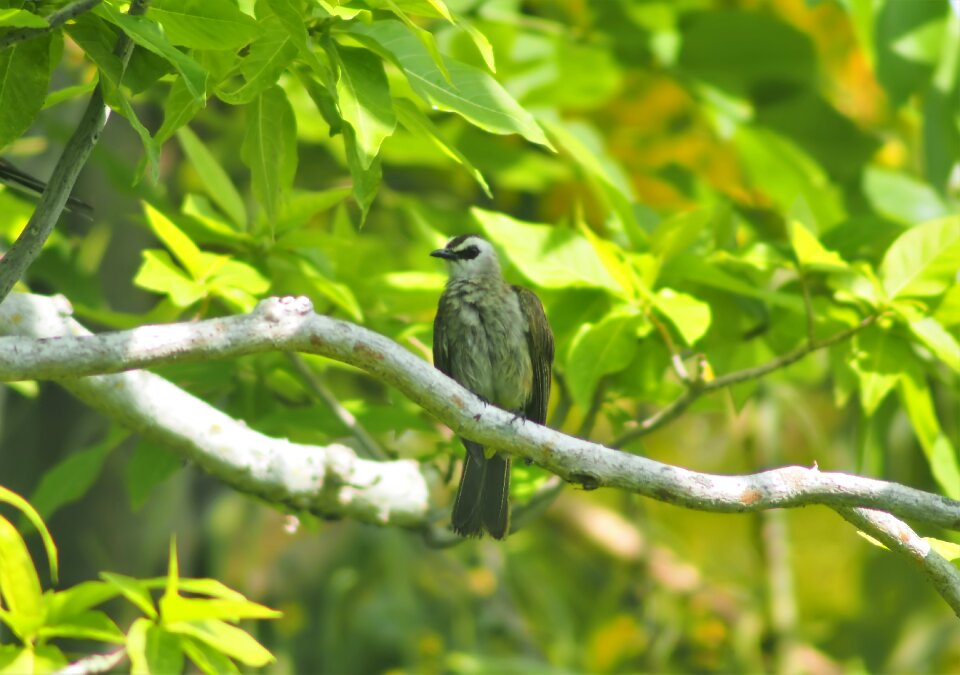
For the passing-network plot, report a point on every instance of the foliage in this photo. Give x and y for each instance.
(193, 626)
(693, 189)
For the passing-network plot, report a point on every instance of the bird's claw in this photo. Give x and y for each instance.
(522, 416)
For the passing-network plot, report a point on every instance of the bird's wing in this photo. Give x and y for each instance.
(540, 342)
(441, 353)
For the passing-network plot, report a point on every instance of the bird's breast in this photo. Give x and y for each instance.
(487, 342)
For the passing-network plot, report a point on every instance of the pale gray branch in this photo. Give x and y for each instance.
(290, 324)
(899, 537)
(327, 480)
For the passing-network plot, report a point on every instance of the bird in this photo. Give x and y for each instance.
(494, 339)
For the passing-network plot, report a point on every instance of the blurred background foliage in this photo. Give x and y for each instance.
(673, 178)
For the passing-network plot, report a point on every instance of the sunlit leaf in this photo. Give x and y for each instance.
(924, 260)
(473, 93)
(203, 24)
(687, 314)
(18, 502)
(363, 97)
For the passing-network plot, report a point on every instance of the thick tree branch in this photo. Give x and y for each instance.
(329, 480)
(698, 388)
(290, 324)
(27, 247)
(55, 19)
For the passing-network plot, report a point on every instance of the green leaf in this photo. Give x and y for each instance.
(933, 336)
(203, 24)
(688, 315)
(597, 350)
(879, 356)
(89, 625)
(924, 260)
(15, 500)
(678, 233)
(158, 273)
(363, 97)
(339, 294)
(62, 606)
(901, 197)
(211, 587)
(268, 57)
(237, 283)
(423, 127)
(121, 103)
(24, 79)
(471, 92)
(219, 186)
(149, 466)
(206, 658)
(175, 608)
(133, 590)
(39, 659)
(784, 171)
(146, 33)
(550, 257)
(947, 549)
(229, 640)
(366, 182)
(137, 646)
(19, 584)
(21, 18)
(584, 145)
(172, 587)
(69, 93)
(70, 479)
(179, 108)
(940, 453)
(811, 254)
(270, 148)
(189, 255)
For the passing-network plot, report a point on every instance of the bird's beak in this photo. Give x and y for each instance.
(444, 253)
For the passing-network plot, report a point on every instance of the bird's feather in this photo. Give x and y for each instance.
(540, 342)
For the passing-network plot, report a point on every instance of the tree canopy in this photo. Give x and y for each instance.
(743, 219)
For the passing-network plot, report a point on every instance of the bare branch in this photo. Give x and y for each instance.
(326, 480)
(898, 536)
(290, 324)
(698, 388)
(55, 19)
(27, 247)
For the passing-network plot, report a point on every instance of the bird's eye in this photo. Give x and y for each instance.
(469, 253)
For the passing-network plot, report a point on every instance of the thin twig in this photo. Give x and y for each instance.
(369, 444)
(699, 387)
(55, 19)
(26, 248)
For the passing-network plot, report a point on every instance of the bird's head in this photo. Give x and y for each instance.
(469, 256)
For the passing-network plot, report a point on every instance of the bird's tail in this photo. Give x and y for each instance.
(482, 498)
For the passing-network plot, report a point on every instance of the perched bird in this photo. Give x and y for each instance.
(494, 339)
